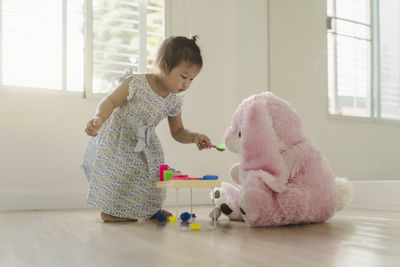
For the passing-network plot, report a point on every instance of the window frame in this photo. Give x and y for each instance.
(374, 91)
(88, 50)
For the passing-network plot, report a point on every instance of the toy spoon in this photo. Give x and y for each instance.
(221, 147)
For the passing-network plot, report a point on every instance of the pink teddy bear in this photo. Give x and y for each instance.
(282, 178)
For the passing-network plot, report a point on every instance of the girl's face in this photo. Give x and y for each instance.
(179, 78)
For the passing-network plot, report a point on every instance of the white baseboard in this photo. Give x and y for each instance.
(37, 200)
(12, 201)
(382, 195)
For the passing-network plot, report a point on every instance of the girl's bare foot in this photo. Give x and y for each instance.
(165, 212)
(110, 218)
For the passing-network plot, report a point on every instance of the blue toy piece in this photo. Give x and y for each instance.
(194, 215)
(185, 216)
(210, 177)
(161, 217)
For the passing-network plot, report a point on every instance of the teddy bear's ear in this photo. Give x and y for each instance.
(259, 145)
(231, 137)
(287, 124)
(233, 129)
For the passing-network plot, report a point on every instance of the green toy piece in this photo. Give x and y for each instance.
(221, 147)
(168, 174)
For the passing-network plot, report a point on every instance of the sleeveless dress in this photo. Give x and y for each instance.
(121, 163)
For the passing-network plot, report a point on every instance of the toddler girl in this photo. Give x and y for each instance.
(123, 156)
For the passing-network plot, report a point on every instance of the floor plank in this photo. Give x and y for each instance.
(79, 238)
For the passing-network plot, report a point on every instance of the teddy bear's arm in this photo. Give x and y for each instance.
(294, 159)
(235, 172)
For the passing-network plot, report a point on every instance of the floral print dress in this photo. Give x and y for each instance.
(121, 163)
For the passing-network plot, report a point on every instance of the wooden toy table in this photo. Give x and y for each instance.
(190, 184)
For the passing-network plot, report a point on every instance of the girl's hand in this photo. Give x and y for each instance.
(93, 126)
(201, 141)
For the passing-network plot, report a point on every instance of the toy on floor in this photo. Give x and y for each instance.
(161, 217)
(185, 216)
(195, 226)
(282, 178)
(170, 178)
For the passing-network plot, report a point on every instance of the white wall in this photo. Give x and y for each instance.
(41, 132)
(357, 149)
(41, 146)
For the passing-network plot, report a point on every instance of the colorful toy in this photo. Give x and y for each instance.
(185, 216)
(162, 169)
(209, 177)
(179, 180)
(195, 226)
(220, 147)
(161, 217)
(282, 178)
(167, 173)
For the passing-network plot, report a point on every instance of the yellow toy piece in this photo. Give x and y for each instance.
(195, 226)
(172, 219)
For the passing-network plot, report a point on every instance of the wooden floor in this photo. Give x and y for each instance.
(79, 238)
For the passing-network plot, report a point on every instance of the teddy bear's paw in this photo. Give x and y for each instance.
(225, 209)
(216, 212)
(224, 199)
(231, 210)
(256, 205)
(217, 193)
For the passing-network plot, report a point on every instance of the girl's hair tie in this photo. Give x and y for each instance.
(194, 38)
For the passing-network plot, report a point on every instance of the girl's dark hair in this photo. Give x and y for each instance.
(176, 49)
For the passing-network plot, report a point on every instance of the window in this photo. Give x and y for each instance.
(364, 58)
(76, 44)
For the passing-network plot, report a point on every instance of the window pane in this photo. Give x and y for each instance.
(389, 58)
(330, 8)
(32, 43)
(352, 29)
(332, 72)
(349, 59)
(355, 10)
(116, 38)
(155, 30)
(115, 41)
(353, 76)
(75, 45)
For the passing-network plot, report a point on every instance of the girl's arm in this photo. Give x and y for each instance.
(185, 136)
(106, 106)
